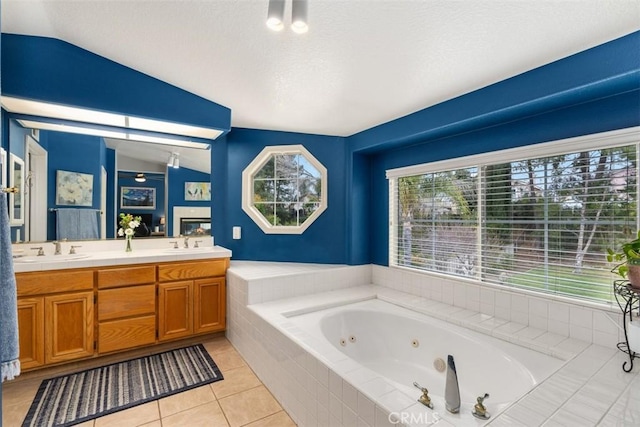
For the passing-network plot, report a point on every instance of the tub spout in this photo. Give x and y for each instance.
(451, 390)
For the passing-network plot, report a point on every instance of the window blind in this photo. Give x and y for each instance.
(541, 223)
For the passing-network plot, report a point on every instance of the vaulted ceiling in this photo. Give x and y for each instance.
(362, 63)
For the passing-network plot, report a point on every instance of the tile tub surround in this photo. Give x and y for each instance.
(589, 389)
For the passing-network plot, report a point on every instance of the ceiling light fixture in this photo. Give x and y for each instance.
(140, 177)
(299, 23)
(275, 15)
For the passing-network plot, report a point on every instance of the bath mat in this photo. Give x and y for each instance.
(72, 399)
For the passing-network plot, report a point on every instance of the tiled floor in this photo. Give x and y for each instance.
(239, 400)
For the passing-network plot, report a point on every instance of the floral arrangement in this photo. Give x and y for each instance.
(128, 224)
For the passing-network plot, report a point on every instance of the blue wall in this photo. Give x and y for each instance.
(593, 91)
(324, 241)
(177, 178)
(55, 71)
(72, 153)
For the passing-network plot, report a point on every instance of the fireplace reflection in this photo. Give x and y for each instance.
(195, 226)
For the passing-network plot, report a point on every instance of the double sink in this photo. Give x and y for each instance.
(72, 257)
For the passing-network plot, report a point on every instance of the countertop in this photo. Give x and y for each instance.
(98, 254)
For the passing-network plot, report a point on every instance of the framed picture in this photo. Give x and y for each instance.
(16, 179)
(3, 167)
(200, 191)
(74, 188)
(138, 197)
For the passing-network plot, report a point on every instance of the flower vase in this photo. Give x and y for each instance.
(128, 248)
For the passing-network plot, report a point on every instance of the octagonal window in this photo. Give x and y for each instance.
(284, 189)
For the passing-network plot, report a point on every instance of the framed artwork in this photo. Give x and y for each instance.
(138, 197)
(16, 179)
(74, 188)
(3, 167)
(200, 191)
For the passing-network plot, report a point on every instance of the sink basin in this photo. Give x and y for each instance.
(188, 250)
(50, 258)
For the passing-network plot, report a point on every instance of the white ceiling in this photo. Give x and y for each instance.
(362, 63)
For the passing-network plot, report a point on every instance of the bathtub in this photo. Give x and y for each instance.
(403, 346)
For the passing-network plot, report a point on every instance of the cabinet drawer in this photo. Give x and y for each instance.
(126, 302)
(192, 270)
(50, 282)
(114, 277)
(127, 333)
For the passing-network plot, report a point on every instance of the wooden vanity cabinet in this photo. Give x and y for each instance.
(64, 315)
(126, 307)
(55, 326)
(191, 298)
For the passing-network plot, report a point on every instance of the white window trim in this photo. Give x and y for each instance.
(247, 189)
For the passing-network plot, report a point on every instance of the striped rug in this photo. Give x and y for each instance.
(72, 399)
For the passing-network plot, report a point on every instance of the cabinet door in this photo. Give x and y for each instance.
(68, 326)
(31, 332)
(209, 302)
(175, 310)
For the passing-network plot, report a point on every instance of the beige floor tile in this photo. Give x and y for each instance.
(217, 345)
(13, 415)
(279, 419)
(235, 381)
(156, 423)
(248, 406)
(185, 400)
(229, 360)
(19, 391)
(207, 415)
(86, 424)
(136, 416)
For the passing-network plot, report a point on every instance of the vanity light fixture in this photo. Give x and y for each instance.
(299, 9)
(299, 23)
(275, 15)
(140, 177)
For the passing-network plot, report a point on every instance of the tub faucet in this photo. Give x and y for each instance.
(451, 389)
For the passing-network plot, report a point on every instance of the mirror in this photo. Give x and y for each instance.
(63, 172)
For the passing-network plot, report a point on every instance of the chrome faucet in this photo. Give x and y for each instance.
(186, 242)
(451, 389)
(58, 248)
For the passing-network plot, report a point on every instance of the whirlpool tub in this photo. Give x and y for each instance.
(403, 346)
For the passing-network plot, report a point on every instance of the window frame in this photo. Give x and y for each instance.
(256, 166)
(627, 136)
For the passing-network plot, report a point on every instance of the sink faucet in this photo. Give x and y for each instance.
(186, 242)
(58, 247)
(451, 389)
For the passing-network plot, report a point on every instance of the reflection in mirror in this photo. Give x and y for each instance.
(16, 180)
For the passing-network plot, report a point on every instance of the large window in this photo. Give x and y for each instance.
(284, 189)
(539, 218)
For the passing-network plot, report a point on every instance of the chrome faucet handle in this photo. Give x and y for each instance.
(175, 244)
(196, 244)
(58, 247)
(479, 410)
(424, 399)
(72, 250)
(40, 250)
(186, 242)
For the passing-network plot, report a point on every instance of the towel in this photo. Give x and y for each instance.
(77, 224)
(9, 347)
